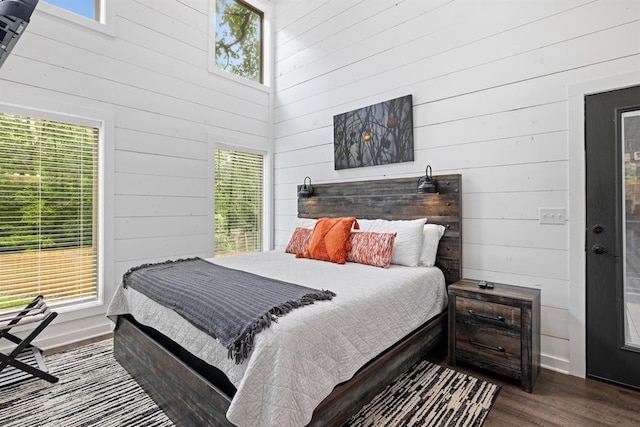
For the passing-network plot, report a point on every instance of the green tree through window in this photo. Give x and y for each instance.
(238, 202)
(48, 188)
(239, 39)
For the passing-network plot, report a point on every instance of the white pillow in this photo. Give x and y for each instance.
(408, 241)
(302, 223)
(431, 235)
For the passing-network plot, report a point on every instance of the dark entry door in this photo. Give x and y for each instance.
(612, 132)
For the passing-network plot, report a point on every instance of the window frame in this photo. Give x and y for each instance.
(215, 143)
(70, 311)
(49, 189)
(105, 25)
(266, 43)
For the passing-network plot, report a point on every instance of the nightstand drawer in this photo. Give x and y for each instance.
(471, 311)
(488, 334)
(488, 346)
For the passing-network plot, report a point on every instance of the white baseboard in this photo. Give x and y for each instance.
(64, 339)
(554, 363)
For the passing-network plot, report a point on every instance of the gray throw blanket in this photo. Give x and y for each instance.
(230, 305)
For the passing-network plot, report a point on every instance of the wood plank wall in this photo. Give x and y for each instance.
(150, 78)
(489, 83)
(153, 76)
(490, 91)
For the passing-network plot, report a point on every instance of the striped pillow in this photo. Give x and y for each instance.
(371, 248)
(299, 240)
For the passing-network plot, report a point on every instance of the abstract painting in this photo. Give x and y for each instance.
(379, 134)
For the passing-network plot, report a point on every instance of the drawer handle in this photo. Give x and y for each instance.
(490, 347)
(484, 316)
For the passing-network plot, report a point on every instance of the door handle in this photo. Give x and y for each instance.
(598, 249)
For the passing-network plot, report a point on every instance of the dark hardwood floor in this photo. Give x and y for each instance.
(557, 400)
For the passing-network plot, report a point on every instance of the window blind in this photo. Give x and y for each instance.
(239, 189)
(48, 218)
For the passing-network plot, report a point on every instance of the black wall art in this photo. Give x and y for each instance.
(375, 135)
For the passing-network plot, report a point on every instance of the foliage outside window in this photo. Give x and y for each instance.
(48, 201)
(87, 8)
(238, 202)
(238, 47)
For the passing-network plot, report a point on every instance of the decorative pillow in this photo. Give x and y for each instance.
(408, 241)
(330, 240)
(431, 235)
(371, 248)
(299, 240)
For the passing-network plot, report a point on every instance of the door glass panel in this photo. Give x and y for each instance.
(631, 221)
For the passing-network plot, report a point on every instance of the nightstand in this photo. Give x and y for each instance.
(496, 329)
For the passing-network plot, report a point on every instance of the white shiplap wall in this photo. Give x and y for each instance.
(149, 80)
(490, 83)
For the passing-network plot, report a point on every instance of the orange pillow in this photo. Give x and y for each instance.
(330, 240)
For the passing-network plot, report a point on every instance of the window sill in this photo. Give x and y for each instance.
(213, 69)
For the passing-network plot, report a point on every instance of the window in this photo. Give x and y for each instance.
(96, 15)
(238, 199)
(87, 8)
(239, 39)
(48, 210)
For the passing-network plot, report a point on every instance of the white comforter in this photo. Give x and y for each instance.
(298, 361)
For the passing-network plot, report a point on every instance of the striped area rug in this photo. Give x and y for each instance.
(429, 395)
(95, 391)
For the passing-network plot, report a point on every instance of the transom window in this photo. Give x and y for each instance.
(239, 39)
(48, 210)
(87, 8)
(239, 192)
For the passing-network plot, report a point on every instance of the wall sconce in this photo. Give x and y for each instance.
(427, 183)
(306, 190)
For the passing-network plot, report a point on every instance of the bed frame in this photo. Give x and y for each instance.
(193, 393)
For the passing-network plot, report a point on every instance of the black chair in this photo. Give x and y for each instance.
(25, 360)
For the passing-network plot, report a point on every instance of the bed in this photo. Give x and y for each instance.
(352, 349)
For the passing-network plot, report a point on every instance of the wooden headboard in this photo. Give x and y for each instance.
(397, 199)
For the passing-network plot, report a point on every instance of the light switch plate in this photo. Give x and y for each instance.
(556, 216)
